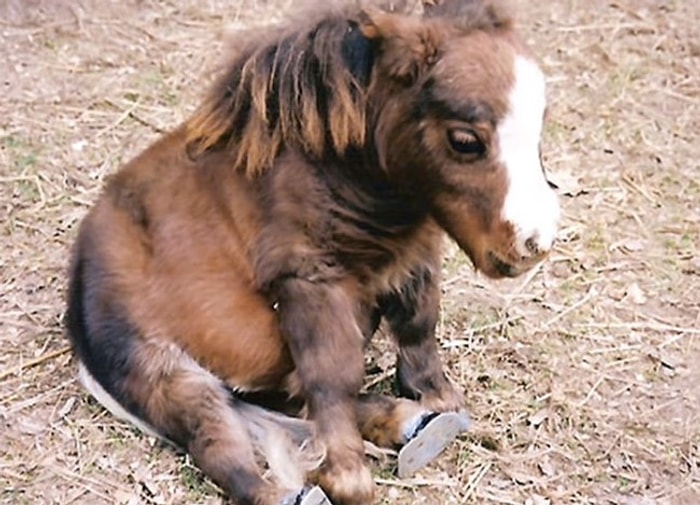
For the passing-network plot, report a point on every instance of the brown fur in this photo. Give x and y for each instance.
(254, 250)
(299, 92)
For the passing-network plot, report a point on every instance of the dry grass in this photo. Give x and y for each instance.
(582, 377)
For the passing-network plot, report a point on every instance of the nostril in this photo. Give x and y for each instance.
(532, 246)
(537, 246)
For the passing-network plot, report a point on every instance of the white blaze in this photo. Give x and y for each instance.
(530, 204)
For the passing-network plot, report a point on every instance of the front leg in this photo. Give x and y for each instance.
(319, 322)
(412, 314)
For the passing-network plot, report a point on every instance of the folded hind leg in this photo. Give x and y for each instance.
(184, 403)
(419, 433)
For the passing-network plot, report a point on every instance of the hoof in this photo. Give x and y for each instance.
(308, 496)
(434, 433)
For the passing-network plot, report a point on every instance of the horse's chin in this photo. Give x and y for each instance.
(494, 255)
(487, 263)
(496, 266)
(499, 268)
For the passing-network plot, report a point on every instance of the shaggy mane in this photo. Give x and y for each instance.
(306, 86)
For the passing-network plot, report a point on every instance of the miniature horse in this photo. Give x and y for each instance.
(252, 252)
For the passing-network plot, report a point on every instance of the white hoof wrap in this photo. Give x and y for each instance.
(430, 439)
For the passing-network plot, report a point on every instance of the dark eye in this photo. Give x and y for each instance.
(466, 142)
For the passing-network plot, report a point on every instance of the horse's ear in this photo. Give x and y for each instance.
(483, 14)
(407, 44)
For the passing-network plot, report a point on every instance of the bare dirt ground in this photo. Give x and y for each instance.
(583, 378)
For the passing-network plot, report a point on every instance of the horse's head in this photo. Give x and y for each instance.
(457, 122)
